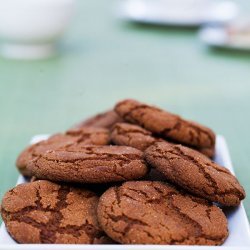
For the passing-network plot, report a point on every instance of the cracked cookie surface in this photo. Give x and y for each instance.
(132, 135)
(195, 173)
(72, 137)
(45, 212)
(147, 212)
(166, 124)
(103, 120)
(90, 164)
(137, 137)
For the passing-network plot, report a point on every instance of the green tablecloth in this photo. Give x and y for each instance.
(105, 60)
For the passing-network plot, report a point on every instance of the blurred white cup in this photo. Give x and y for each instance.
(29, 29)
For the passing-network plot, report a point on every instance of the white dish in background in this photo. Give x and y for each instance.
(239, 237)
(219, 37)
(178, 12)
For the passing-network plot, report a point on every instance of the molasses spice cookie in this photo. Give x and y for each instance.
(103, 120)
(45, 212)
(196, 173)
(165, 124)
(131, 135)
(127, 134)
(90, 164)
(73, 137)
(146, 212)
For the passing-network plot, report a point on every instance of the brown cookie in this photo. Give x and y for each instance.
(135, 136)
(103, 120)
(131, 135)
(146, 212)
(165, 124)
(73, 137)
(195, 172)
(154, 175)
(45, 212)
(209, 152)
(90, 164)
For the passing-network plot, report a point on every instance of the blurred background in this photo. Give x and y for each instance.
(108, 54)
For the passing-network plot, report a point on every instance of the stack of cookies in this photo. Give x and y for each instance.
(132, 175)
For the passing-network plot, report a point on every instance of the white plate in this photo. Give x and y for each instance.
(239, 237)
(178, 12)
(218, 37)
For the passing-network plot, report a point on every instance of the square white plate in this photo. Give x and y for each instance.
(239, 237)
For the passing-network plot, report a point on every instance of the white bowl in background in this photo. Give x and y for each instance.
(29, 29)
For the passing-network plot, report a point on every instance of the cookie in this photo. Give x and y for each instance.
(135, 136)
(90, 135)
(154, 175)
(209, 152)
(103, 120)
(90, 164)
(196, 173)
(131, 135)
(165, 124)
(77, 137)
(45, 212)
(146, 212)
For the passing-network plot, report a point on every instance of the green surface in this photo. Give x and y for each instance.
(105, 60)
